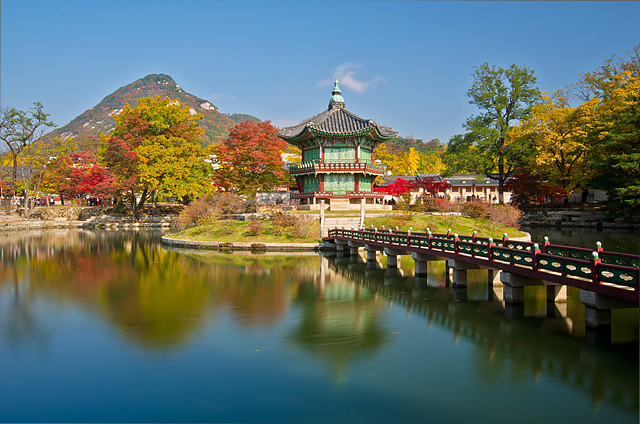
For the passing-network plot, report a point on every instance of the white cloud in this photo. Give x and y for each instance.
(346, 73)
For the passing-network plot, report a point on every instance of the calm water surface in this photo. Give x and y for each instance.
(111, 327)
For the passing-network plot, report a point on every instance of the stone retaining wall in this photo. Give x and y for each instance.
(561, 218)
(252, 247)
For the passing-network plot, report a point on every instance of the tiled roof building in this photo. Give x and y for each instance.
(337, 156)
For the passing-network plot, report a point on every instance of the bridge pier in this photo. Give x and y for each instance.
(372, 252)
(597, 311)
(353, 247)
(459, 272)
(340, 246)
(392, 256)
(514, 285)
(421, 261)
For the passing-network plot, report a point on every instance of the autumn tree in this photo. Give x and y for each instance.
(561, 138)
(18, 129)
(411, 161)
(76, 174)
(155, 148)
(504, 97)
(249, 159)
(615, 160)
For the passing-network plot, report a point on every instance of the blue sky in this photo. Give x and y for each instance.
(404, 64)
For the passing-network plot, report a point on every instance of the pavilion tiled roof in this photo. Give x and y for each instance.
(336, 120)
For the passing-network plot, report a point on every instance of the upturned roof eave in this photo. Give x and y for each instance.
(310, 132)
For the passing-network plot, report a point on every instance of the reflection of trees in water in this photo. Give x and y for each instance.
(156, 298)
(517, 348)
(129, 278)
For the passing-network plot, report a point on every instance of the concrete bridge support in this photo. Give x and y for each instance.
(514, 287)
(459, 272)
(372, 252)
(340, 246)
(392, 256)
(597, 312)
(353, 248)
(421, 261)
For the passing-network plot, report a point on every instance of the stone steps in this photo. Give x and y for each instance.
(346, 222)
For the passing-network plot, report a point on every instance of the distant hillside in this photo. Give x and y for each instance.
(100, 118)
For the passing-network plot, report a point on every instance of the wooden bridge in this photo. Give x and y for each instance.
(607, 280)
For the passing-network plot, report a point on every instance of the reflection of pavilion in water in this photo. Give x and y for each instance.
(338, 320)
(504, 337)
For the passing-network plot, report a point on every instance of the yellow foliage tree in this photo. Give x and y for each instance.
(561, 137)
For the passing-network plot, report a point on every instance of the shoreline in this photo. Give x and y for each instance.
(255, 247)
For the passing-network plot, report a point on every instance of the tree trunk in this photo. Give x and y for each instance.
(7, 202)
(134, 206)
(501, 178)
(143, 198)
(27, 209)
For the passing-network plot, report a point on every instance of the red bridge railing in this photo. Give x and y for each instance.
(610, 273)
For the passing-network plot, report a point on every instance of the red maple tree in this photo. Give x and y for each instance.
(249, 159)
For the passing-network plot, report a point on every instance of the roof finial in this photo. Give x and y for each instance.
(336, 98)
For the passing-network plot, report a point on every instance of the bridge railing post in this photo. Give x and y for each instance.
(536, 250)
(491, 244)
(505, 239)
(545, 244)
(456, 240)
(408, 237)
(594, 262)
(599, 247)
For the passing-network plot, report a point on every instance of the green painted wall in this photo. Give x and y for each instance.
(339, 183)
(345, 154)
(311, 154)
(365, 184)
(310, 183)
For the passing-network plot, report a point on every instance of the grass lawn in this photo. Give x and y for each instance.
(307, 229)
(441, 223)
(228, 230)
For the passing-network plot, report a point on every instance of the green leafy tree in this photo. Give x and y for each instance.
(463, 156)
(504, 97)
(18, 129)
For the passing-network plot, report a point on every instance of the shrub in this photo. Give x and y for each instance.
(302, 228)
(428, 204)
(475, 209)
(254, 228)
(209, 208)
(282, 221)
(507, 215)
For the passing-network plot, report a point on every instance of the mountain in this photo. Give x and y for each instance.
(99, 119)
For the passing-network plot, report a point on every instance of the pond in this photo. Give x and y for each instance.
(112, 327)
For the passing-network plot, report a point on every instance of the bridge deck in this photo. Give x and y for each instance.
(608, 273)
